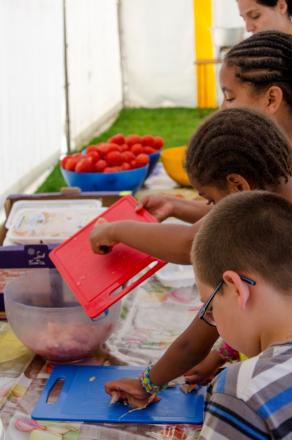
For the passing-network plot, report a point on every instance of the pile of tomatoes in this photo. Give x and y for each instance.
(119, 153)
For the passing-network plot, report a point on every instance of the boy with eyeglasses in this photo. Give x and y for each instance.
(242, 258)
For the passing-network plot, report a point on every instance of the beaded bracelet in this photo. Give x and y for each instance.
(146, 383)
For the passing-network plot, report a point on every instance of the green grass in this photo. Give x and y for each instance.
(175, 125)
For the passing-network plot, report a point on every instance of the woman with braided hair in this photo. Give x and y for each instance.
(265, 15)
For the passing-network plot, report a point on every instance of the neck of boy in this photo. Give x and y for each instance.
(281, 329)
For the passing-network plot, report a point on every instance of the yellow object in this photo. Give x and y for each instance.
(205, 69)
(173, 162)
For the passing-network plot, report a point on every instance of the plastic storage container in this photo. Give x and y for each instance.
(176, 275)
(47, 318)
(49, 221)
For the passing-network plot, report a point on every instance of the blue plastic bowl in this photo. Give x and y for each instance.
(130, 180)
(154, 158)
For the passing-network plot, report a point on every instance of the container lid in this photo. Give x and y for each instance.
(98, 281)
(50, 221)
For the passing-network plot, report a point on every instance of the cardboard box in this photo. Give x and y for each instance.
(14, 260)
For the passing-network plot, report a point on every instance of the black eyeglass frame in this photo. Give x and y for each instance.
(204, 308)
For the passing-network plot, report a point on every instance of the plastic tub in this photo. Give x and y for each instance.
(176, 275)
(173, 162)
(47, 318)
(130, 180)
(44, 222)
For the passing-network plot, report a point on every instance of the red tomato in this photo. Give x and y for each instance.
(91, 148)
(85, 165)
(142, 160)
(94, 154)
(102, 149)
(114, 158)
(113, 147)
(158, 142)
(147, 140)
(117, 139)
(137, 149)
(76, 155)
(148, 150)
(128, 156)
(125, 166)
(100, 165)
(133, 139)
(124, 147)
(133, 164)
(71, 163)
(63, 161)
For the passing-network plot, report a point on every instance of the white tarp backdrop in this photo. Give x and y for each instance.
(158, 48)
(95, 86)
(31, 89)
(132, 52)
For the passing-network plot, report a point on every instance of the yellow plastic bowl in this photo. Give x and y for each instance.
(173, 162)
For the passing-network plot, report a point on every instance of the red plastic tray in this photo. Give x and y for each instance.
(94, 278)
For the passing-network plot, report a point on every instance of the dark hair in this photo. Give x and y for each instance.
(246, 232)
(272, 3)
(240, 141)
(263, 60)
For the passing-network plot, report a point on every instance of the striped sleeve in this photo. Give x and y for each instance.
(228, 417)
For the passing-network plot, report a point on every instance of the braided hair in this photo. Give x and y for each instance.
(240, 141)
(272, 3)
(264, 60)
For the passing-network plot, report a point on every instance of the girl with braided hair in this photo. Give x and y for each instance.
(265, 15)
(257, 73)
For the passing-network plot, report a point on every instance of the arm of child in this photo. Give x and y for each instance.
(189, 348)
(204, 372)
(163, 206)
(170, 242)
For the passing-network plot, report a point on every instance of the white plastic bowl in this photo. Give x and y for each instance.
(47, 318)
(176, 275)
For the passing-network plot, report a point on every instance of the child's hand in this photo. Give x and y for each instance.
(128, 387)
(159, 205)
(101, 236)
(204, 372)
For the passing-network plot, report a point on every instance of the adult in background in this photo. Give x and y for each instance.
(266, 15)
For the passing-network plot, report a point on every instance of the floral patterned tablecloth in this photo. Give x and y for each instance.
(152, 317)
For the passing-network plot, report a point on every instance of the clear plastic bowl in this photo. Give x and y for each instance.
(47, 318)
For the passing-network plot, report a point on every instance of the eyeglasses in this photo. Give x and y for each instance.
(205, 313)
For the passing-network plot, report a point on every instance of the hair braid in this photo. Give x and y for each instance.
(240, 141)
(264, 59)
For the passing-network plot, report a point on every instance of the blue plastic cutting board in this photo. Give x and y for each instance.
(83, 399)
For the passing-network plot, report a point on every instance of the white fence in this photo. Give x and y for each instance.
(137, 52)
